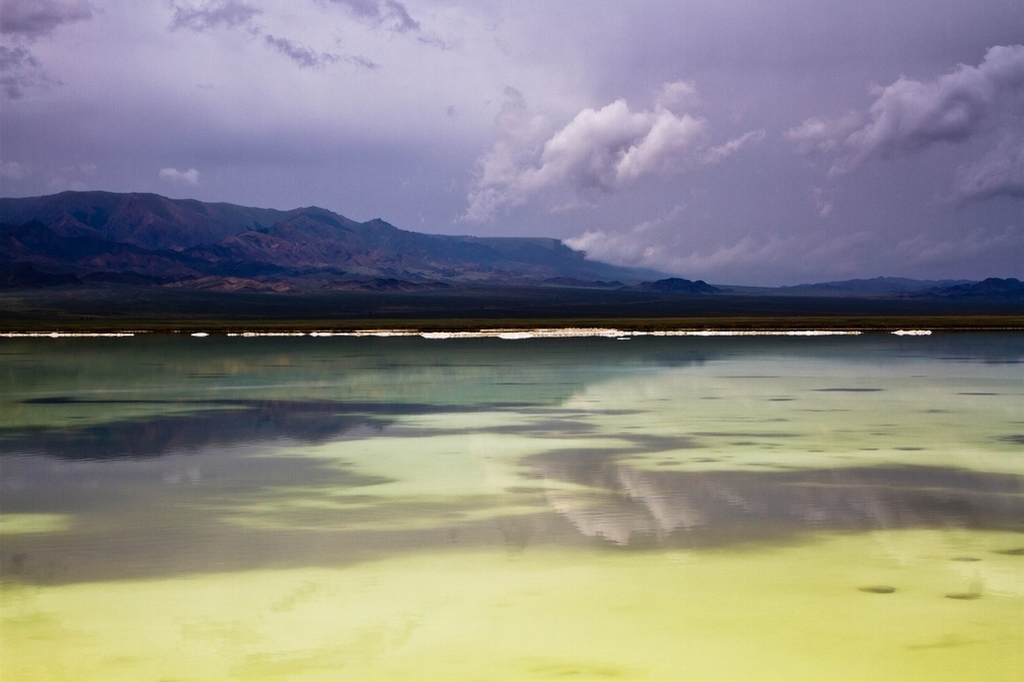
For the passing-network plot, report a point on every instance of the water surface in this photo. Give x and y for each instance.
(404, 508)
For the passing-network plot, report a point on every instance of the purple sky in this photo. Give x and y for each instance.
(735, 141)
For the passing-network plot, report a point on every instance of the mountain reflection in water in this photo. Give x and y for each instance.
(207, 423)
(233, 422)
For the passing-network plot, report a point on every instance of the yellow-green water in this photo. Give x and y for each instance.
(392, 509)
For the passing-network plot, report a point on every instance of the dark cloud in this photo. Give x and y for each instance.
(35, 18)
(998, 173)
(389, 14)
(303, 56)
(362, 62)
(397, 17)
(19, 70)
(16, 58)
(236, 14)
(214, 14)
(910, 116)
(25, 21)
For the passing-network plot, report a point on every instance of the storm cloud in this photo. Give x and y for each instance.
(909, 116)
(24, 22)
(1000, 172)
(19, 70)
(303, 56)
(35, 18)
(389, 14)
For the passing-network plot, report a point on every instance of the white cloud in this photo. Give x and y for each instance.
(600, 151)
(671, 243)
(678, 96)
(722, 151)
(910, 116)
(661, 149)
(659, 244)
(644, 245)
(606, 149)
(520, 137)
(188, 177)
(815, 134)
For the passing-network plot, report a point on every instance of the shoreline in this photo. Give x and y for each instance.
(510, 330)
(138, 309)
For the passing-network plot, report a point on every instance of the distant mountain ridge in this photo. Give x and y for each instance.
(991, 289)
(876, 285)
(679, 286)
(148, 238)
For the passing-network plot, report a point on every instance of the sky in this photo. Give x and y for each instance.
(739, 141)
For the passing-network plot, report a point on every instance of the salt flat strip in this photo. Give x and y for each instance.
(575, 333)
(549, 333)
(62, 335)
(506, 334)
(714, 332)
(252, 334)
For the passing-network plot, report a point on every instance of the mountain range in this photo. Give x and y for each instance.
(80, 238)
(150, 239)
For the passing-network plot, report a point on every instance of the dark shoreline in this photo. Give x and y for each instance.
(762, 324)
(116, 308)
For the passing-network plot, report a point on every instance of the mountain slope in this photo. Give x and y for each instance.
(104, 234)
(147, 220)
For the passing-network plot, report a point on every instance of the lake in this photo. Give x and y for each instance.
(360, 508)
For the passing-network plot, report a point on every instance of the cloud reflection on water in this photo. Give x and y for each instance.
(630, 507)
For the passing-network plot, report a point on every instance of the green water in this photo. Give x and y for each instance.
(406, 509)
